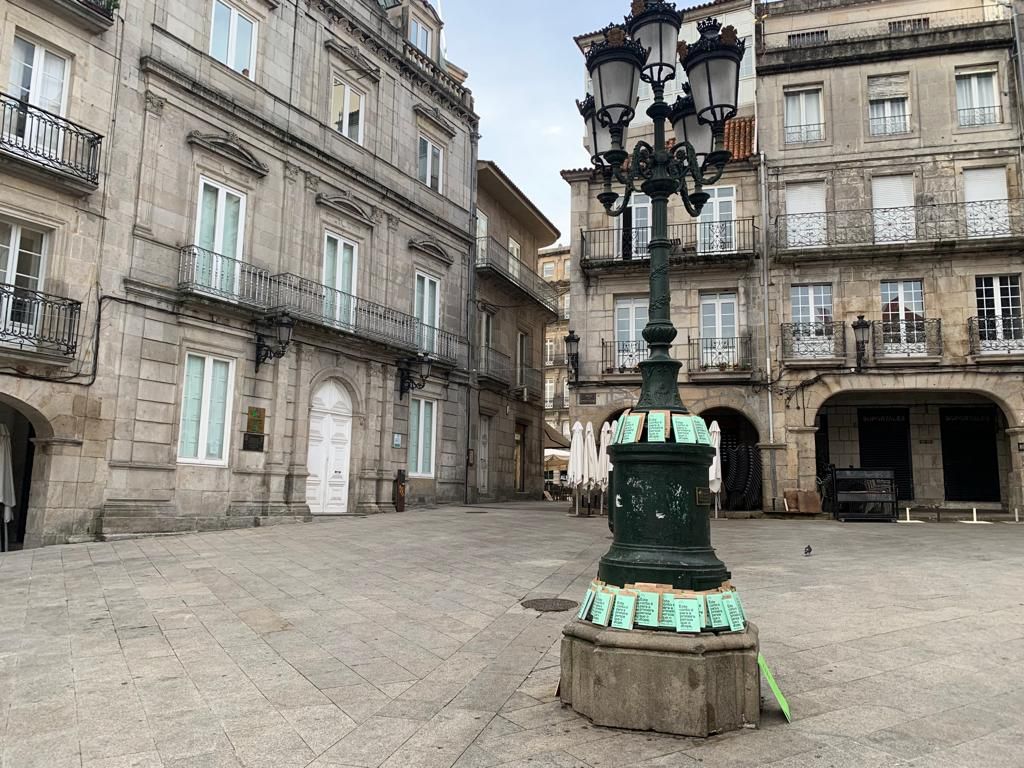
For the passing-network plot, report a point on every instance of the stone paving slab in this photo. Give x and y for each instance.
(400, 641)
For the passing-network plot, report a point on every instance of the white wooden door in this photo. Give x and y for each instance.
(716, 226)
(330, 450)
(483, 460)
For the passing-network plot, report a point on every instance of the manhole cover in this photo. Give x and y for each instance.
(548, 604)
(476, 511)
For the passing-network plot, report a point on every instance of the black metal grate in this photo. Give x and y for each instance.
(550, 605)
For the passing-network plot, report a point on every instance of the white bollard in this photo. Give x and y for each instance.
(974, 519)
(908, 520)
(1016, 517)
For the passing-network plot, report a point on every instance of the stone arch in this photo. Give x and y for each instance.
(40, 424)
(344, 380)
(31, 434)
(745, 403)
(742, 466)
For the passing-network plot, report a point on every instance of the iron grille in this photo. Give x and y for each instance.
(720, 354)
(38, 322)
(891, 125)
(703, 238)
(206, 273)
(491, 254)
(48, 140)
(802, 134)
(809, 341)
(623, 356)
(104, 8)
(996, 334)
(970, 117)
(496, 365)
(920, 337)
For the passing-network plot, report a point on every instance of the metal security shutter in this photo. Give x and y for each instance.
(805, 197)
(888, 87)
(892, 191)
(970, 462)
(984, 184)
(884, 435)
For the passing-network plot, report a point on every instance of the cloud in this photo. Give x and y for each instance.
(553, 130)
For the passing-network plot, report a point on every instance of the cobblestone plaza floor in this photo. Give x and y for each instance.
(399, 640)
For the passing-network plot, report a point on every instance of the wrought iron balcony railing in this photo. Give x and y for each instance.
(623, 356)
(556, 402)
(708, 355)
(104, 8)
(532, 379)
(697, 237)
(996, 334)
(210, 274)
(31, 321)
(557, 361)
(490, 254)
(803, 134)
(923, 223)
(48, 140)
(891, 125)
(496, 365)
(918, 337)
(970, 117)
(811, 341)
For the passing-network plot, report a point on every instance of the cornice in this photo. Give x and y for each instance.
(433, 115)
(229, 147)
(354, 57)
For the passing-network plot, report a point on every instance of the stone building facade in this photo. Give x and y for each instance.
(190, 185)
(555, 265)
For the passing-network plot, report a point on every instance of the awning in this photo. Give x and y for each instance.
(553, 439)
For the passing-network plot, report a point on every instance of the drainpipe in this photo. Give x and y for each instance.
(473, 391)
(1019, 71)
(765, 288)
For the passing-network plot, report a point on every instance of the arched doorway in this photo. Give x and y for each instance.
(741, 460)
(330, 449)
(22, 433)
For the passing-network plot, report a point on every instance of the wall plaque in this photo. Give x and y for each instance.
(256, 420)
(703, 497)
(587, 398)
(253, 442)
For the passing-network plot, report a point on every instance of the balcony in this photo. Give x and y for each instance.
(804, 134)
(903, 341)
(492, 255)
(891, 125)
(900, 227)
(38, 323)
(720, 358)
(813, 344)
(533, 381)
(496, 366)
(95, 15)
(696, 241)
(786, 46)
(623, 356)
(210, 275)
(556, 402)
(994, 335)
(972, 117)
(36, 142)
(558, 361)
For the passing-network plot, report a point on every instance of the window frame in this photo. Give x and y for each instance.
(10, 268)
(812, 304)
(218, 235)
(997, 106)
(348, 88)
(417, 447)
(204, 410)
(235, 12)
(416, 25)
(548, 270)
(431, 145)
(803, 125)
(40, 49)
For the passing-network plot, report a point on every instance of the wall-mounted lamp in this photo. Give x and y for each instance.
(861, 333)
(572, 355)
(283, 326)
(413, 373)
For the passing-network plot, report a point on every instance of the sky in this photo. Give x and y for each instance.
(526, 73)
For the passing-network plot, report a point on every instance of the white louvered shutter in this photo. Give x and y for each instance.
(805, 214)
(988, 212)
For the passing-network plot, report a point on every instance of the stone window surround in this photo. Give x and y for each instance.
(221, 177)
(257, 16)
(189, 349)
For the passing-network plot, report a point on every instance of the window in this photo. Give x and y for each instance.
(716, 226)
(635, 247)
(204, 410)
(486, 328)
(38, 77)
(421, 437)
(524, 357)
(233, 39)
(747, 63)
(814, 37)
(719, 342)
(888, 105)
(977, 98)
(565, 306)
(813, 333)
(427, 310)
(805, 219)
(565, 393)
(999, 312)
(347, 110)
(894, 215)
(548, 269)
(804, 121)
(909, 25)
(220, 224)
(549, 351)
(419, 35)
(630, 319)
(985, 198)
(21, 267)
(549, 393)
(431, 158)
(340, 261)
(903, 326)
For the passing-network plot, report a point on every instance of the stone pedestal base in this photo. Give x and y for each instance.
(661, 681)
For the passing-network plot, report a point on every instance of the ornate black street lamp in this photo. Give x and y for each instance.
(284, 324)
(413, 373)
(660, 499)
(572, 355)
(861, 334)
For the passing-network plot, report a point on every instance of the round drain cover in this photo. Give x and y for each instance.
(549, 604)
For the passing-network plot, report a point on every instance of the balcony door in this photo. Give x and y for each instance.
(515, 251)
(806, 222)
(481, 237)
(21, 269)
(427, 311)
(330, 447)
(903, 326)
(1000, 325)
(220, 223)
(719, 345)
(630, 320)
(340, 256)
(813, 329)
(894, 213)
(483, 460)
(640, 238)
(38, 78)
(716, 227)
(985, 200)
(523, 357)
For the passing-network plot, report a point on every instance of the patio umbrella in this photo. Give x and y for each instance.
(603, 467)
(590, 479)
(715, 472)
(7, 500)
(577, 458)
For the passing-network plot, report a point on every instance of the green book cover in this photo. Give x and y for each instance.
(682, 427)
(743, 611)
(602, 610)
(667, 612)
(775, 687)
(647, 605)
(656, 427)
(619, 427)
(716, 612)
(688, 615)
(588, 600)
(732, 612)
(631, 432)
(624, 611)
(703, 436)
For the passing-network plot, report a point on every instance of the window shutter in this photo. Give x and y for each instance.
(805, 197)
(892, 191)
(984, 184)
(888, 87)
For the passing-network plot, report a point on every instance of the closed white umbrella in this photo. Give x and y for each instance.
(603, 465)
(576, 461)
(589, 462)
(7, 499)
(715, 472)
